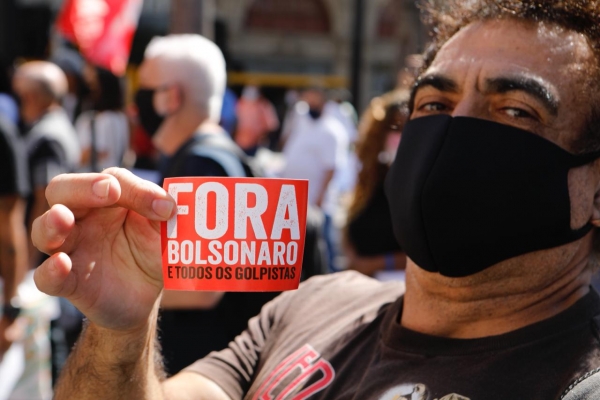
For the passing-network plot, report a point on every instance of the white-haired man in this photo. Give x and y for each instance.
(182, 83)
(50, 139)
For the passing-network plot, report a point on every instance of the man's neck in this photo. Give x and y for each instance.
(493, 303)
(41, 112)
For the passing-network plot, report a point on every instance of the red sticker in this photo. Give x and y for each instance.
(234, 234)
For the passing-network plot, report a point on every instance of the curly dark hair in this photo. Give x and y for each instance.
(446, 17)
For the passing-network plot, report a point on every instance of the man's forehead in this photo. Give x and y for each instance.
(519, 35)
(547, 51)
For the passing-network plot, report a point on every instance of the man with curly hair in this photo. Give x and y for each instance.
(494, 195)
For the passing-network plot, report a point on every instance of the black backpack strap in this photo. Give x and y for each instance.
(220, 149)
(228, 161)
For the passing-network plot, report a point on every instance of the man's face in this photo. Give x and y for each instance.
(149, 74)
(314, 98)
(32, 105)
(530, 76)
(154, 100)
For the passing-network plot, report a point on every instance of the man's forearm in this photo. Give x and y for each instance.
(106, 364)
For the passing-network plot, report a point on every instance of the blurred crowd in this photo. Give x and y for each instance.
(64, 115)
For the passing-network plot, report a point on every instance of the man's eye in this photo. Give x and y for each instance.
(433, 107)
(517, 113)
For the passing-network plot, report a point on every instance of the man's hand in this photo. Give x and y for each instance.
(103, 234)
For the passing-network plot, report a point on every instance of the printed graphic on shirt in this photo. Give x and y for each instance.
(293, 372)
(416, 392)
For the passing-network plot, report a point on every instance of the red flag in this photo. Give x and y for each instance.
(103, 29)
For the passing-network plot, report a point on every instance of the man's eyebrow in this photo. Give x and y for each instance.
(439, 82)
(532, 86)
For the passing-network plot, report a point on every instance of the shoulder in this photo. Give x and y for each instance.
(343, 290)
(9, 144)
(54, 119)
(84, 117)
(200, 165)
(333, 125)
(585, 388)
(218, 153)
(112, 116)
(334, 129)
(347, 281)
(8, 130)
(56, 126)
(82, 123)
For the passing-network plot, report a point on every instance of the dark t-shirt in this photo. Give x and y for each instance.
(370, 231)
(52, 148)
(14, 179)
(339, 337)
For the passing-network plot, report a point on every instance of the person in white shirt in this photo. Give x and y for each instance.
(317, 150)
(104, 131)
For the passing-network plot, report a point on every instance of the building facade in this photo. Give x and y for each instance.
(294, 38)
(316, 37)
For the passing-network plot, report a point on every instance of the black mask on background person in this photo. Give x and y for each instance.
(314, 113)
(149, 118)
(467, 193)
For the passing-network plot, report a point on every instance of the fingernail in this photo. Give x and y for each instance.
(162, 208)
(101, 188)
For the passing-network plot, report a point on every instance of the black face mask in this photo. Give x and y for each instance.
(314, 113)
(149, 118)
(466, 193)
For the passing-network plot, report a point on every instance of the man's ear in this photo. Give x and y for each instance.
(169, 100)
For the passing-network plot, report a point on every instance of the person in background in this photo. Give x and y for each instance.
(317, 150)
(8, 106)
(228, 112)
(182, 81)
(52, 149)
(339, 107)
(369, 238)
(14, 189)
(256, 117)
(293, 107)
(146, 155)
(25, 313)
(75, 101)
(50, 140)
(103, 132)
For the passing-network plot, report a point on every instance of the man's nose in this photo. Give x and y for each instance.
(471, 105)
